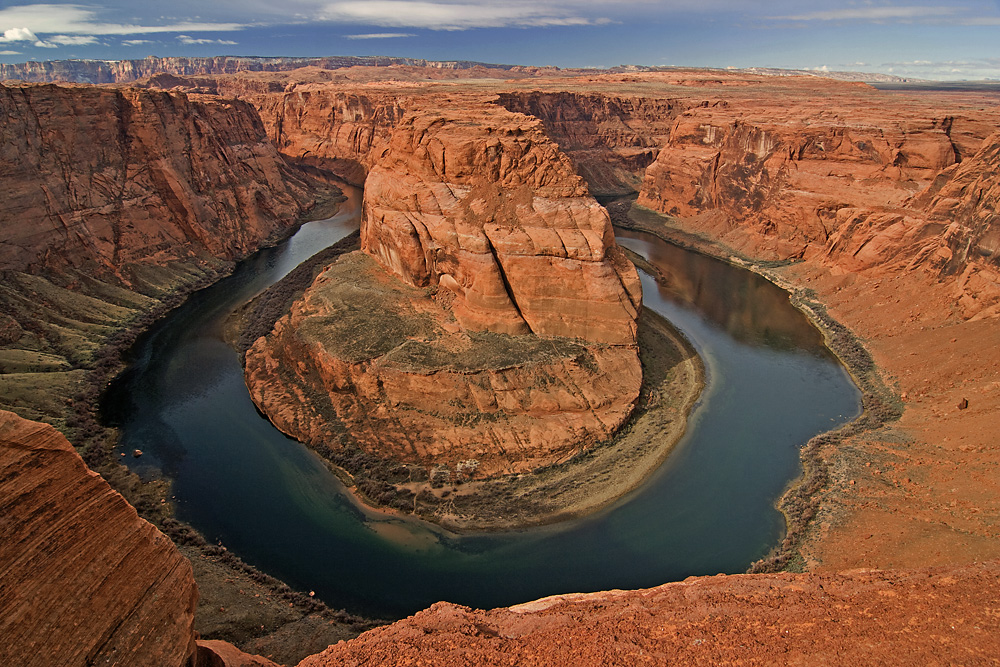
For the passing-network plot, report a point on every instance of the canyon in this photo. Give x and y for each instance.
(875, 209)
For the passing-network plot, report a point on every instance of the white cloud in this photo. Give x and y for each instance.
(872, 13)
(453, 16)
(73, 40)
(136, 42)
(186, 39)
(80, 20)
(380, 35)
(970, 69)
(18, 35)
(10, 53)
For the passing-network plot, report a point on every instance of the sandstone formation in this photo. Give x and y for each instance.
(522, 352)
(879, 206)
(365, 359)
(481, 202)
(104, 180)
(610, 138)
(932, 616)
(85, 580)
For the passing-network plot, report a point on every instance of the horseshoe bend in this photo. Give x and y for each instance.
(486, 324)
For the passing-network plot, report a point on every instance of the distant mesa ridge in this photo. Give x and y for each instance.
(124, 71)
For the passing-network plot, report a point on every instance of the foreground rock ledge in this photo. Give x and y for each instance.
(83, 580)
(920, 617)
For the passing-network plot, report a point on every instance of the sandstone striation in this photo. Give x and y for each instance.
(611, 139)
(85, 580)
(506, 338)
(365, 359)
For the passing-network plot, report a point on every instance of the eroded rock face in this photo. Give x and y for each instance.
(104, 180)
(610, 138)
(848, 187)
(479, 201)
(505, 331)
(85, 580)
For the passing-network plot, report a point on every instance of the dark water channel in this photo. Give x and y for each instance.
(708, 509)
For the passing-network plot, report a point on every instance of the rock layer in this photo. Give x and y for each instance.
(103, 180)
(85, 580)
(479, 201)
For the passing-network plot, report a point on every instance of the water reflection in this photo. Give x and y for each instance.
(744, 305)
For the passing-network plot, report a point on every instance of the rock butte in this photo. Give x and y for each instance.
(888, 201)
(478, 205)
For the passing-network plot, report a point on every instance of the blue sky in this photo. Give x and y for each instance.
(936, 39)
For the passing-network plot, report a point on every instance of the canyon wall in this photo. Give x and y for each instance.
(847, 186)
(115, 199)
(611, 139)
(499, 248)
(103, 180)
(341, 131)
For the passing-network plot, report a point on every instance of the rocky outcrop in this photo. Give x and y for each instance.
(364, 359)
(861, 617)
(509, 343)
(854, 188)
(85, 580)
(480, 202)
(340, 131)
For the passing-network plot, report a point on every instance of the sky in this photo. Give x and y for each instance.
(932, 39)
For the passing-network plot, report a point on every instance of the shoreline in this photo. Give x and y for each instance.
(799, 504)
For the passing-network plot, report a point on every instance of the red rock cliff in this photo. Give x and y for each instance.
(480, 201)
(104, 180)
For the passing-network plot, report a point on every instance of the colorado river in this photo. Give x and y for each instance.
(771, 385)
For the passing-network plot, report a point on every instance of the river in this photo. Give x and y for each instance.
(771, 385)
